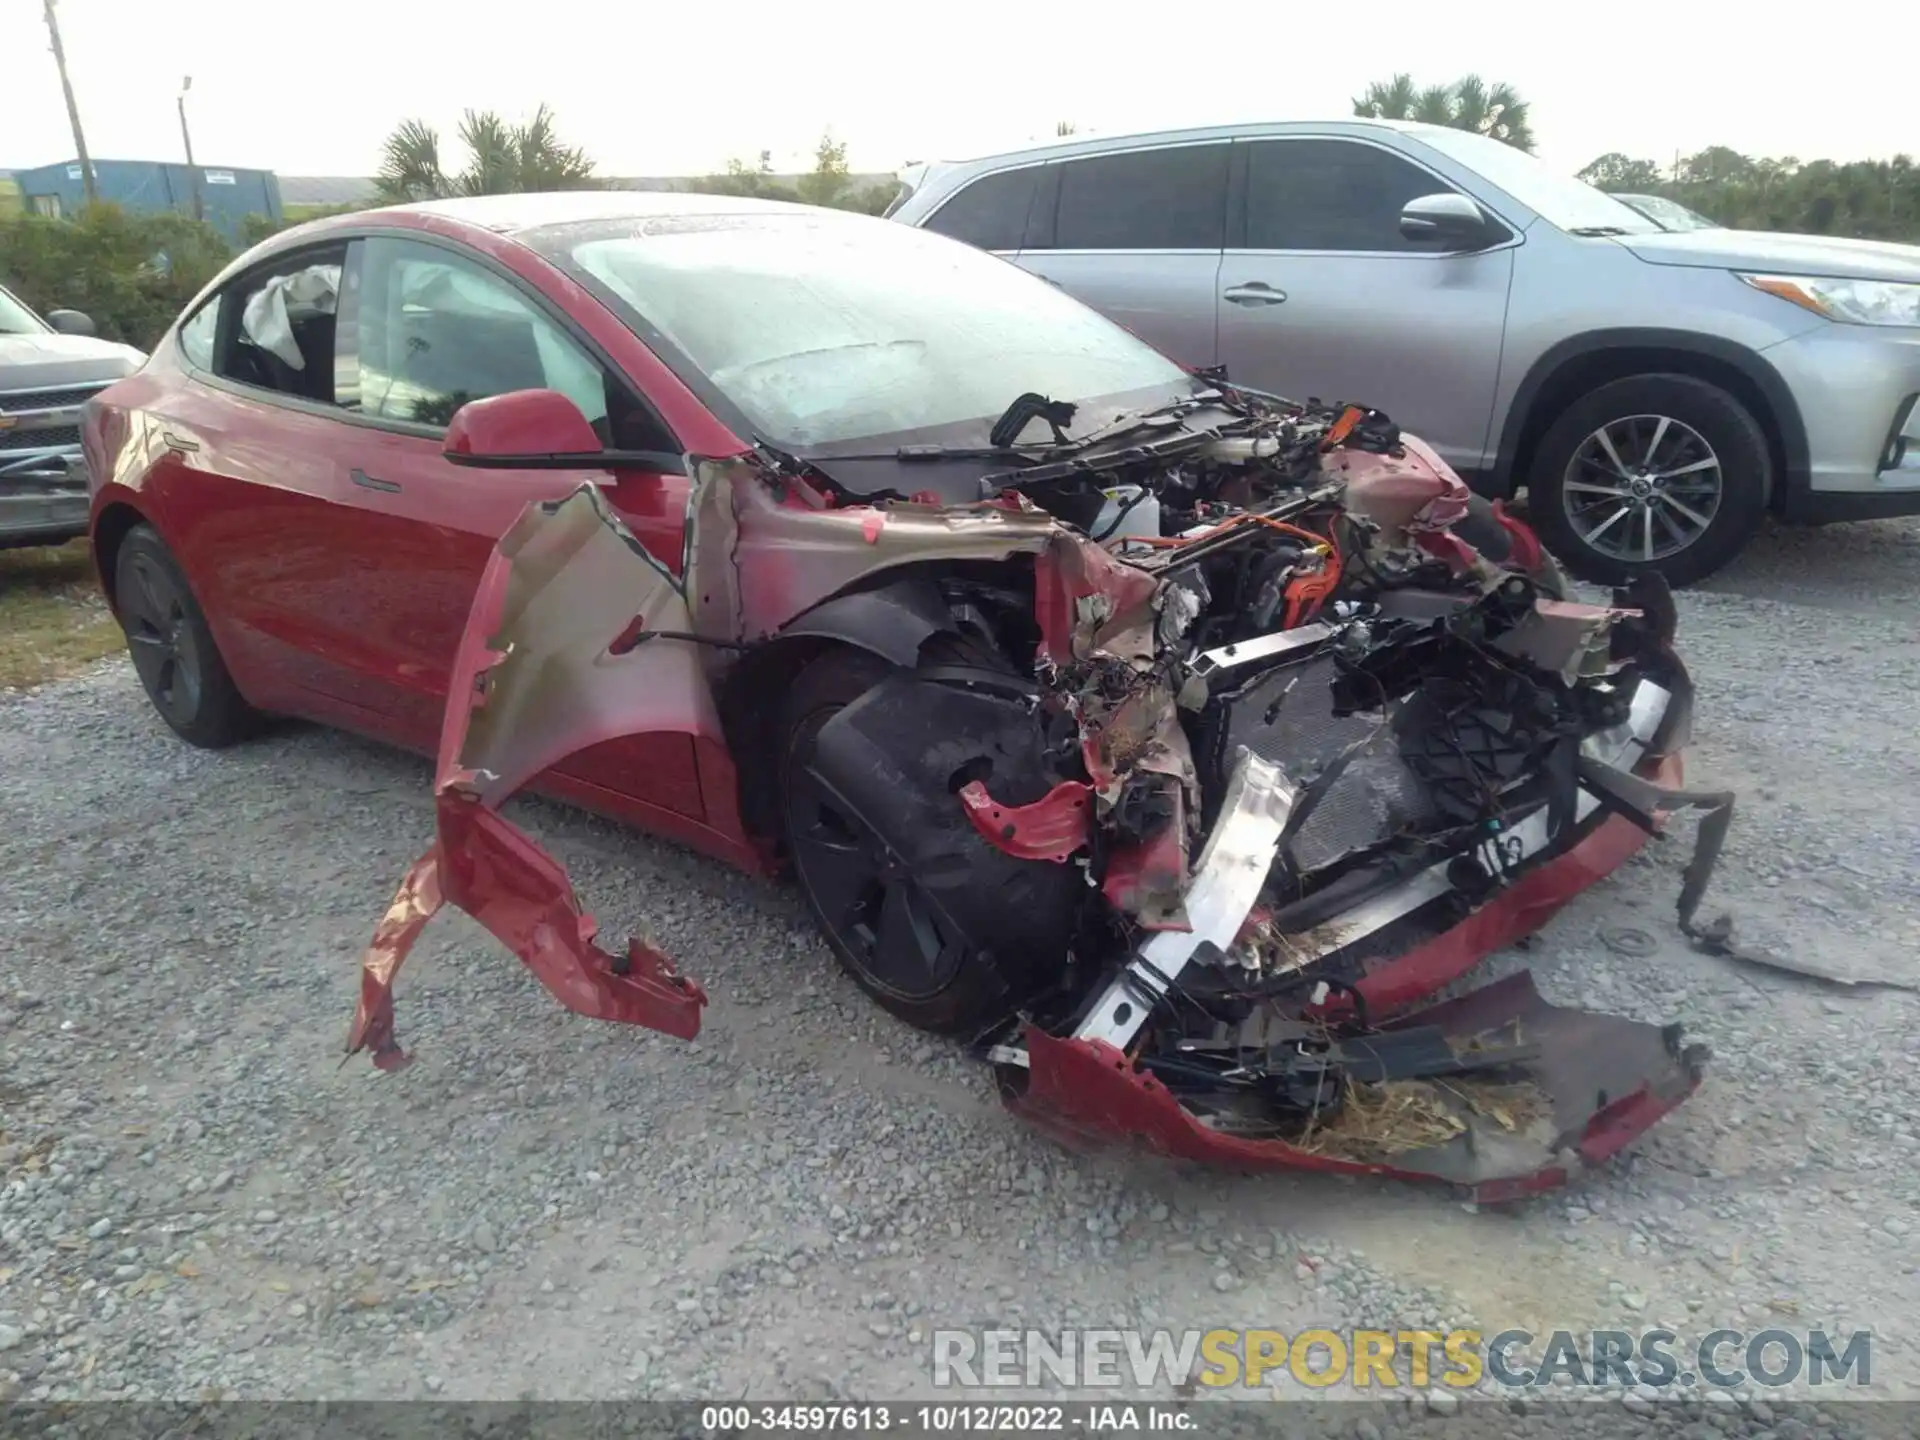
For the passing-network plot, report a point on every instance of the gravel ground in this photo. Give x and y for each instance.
(197, 1199)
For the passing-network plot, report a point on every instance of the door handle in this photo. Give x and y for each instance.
(368, 482)
(178, 442)
(1255, 292)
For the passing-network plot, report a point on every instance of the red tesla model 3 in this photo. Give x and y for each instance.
(1169, 739)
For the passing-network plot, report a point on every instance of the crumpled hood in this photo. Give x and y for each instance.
(1765, 250)
(46, 362)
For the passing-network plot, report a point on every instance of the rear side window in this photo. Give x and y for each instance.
(1331, 195)
(991, 212)
(276, 326)
(1168, 199)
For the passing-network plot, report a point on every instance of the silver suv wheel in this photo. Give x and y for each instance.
(1643, 487)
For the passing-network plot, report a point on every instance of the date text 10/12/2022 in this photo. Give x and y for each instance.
(935, 1419)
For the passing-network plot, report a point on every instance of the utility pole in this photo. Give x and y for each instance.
(186, 138)
(73, 109)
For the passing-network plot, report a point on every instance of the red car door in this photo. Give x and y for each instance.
(240, 440)
(427, 327)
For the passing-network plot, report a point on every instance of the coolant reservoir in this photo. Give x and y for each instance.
(1129, 513)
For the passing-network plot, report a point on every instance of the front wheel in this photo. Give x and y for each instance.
(1654, 472)
(884, 928)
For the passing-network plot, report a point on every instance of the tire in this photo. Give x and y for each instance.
(1689, 453)
(173, 651)
(960, 999)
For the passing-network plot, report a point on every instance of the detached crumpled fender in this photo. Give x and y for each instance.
(577, 636)
(553, 659)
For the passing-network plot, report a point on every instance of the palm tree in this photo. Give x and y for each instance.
(1469, 103)
(1393, 99)
(503, 159)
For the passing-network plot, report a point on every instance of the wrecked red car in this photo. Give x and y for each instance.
(1171, 742)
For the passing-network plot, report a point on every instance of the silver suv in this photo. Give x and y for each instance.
(1654, 393)
(48, 369)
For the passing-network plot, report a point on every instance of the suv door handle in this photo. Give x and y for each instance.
(1254, 292)
(368, 482)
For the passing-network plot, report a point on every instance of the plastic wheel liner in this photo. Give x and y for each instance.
(577, 636)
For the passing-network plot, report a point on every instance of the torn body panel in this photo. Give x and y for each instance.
(774, 549)
(1595, 1084)
(1088, 604)
(1054, 827)
(560, 651)
(536, 678)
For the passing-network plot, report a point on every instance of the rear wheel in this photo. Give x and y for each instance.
(1655, 472)
(881, 925)
(172, 649)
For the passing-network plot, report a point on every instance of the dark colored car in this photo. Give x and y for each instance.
(48, 369)
(1170, 741)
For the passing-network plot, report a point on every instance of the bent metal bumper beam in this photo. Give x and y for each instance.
(1245, 842)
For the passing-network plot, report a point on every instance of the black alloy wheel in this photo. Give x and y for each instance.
(882, 926)
(173, 651)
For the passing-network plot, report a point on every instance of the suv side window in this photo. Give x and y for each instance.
(1331, 195)
(435, 329)
(274, 328)
(991, 212)
(1171, 198)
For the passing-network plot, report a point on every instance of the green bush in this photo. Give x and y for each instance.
(131, 273)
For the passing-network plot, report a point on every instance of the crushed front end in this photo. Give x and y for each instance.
(1213, 747)
(1389, 795)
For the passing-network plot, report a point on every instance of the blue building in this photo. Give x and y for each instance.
(226, 196)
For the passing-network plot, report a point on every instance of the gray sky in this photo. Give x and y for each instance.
(652, 89)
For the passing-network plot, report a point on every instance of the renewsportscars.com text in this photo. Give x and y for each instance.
(1397, 1359)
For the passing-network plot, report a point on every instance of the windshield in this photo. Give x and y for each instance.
(823, 329)
(16, 319)
(1559, 199)
(1669, 214)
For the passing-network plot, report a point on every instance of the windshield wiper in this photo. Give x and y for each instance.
(1594, 232)
(1062, 444)
(1024, 410)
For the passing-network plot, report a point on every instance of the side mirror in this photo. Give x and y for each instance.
(538, 430)
(521, 430)
(70, 322)
(1456, 222)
